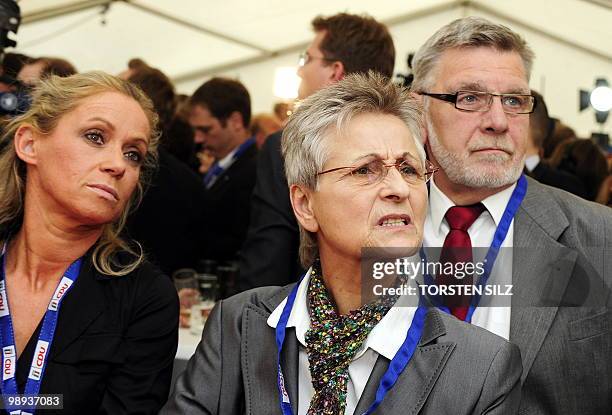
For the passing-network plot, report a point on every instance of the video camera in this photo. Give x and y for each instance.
(17, 99)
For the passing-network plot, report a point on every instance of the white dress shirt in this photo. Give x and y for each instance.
(385, 339)
(532, 162)
(496, 319)
(224, 163)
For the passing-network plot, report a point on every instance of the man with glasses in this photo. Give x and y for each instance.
(473, 78)
(343, 44)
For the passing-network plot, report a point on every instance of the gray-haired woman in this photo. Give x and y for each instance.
(357, 175)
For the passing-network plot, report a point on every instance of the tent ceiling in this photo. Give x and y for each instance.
(193, 38)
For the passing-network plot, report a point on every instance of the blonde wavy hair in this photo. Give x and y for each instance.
(53, 98)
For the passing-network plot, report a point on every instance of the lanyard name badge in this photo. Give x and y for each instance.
(498, 238)
(396, 366)
(45, 339)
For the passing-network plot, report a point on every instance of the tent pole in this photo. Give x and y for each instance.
(196, 27)
(589, 51)
(70, 8)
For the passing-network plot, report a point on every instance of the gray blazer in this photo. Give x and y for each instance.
(456, 369)
(561, 311)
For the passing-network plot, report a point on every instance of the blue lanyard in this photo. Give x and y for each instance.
(45, 338)
(396, 366)
(217, 170)
(498, 238)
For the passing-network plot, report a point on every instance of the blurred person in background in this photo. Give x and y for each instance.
(584, 159)
(11, 65)
(168, 223)
(343, 44)
(539, 123)
(220, 115)
(182, 144)
(40, 68)
(89, 317)
(557, 133)
(13, 62)
(283, 111)
(262, 126)
(19, 99)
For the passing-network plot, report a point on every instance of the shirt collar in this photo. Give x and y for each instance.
(299, 317)
(439, 203)
(226, 161)
(385, 338)
(532, 162)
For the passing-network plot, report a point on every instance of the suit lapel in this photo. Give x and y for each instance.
(236, 166)
(260, 375)
(416, 382)
(541, 269)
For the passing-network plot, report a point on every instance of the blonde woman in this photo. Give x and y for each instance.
(82, 314)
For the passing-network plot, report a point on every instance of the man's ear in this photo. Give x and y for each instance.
(338, 72)
(301, 201)
(24, 142)
(235, 121)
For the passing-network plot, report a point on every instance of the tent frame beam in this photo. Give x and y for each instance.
(75, 7)
(491, 11)
(198, 28)
(265, 54)
(601, 3)
(80, 6)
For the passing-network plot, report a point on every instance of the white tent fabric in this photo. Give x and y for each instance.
(191, 40)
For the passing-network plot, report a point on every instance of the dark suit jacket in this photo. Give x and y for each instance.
(561, 305)
(269, 255)
(114, 345)
(227, 207)
(560, 179)
(169, 221)
(456, 369)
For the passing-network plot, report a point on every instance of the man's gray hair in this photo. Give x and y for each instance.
(468, 32)
(326, 114)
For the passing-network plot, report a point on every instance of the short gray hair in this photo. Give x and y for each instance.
(305, 136)
(469, 32)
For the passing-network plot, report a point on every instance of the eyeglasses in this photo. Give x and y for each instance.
(481, 101)
(376, 171)
(306, 58)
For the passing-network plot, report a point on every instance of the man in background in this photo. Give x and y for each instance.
(220, 115)
(40, 68)
(168, 223)
(343, 44)
(540, 126)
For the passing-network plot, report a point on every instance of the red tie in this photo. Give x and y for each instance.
(458, 248)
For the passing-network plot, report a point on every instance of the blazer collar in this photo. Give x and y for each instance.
(236, 166)
(82, 306)
(418, 378)
(541, 270)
